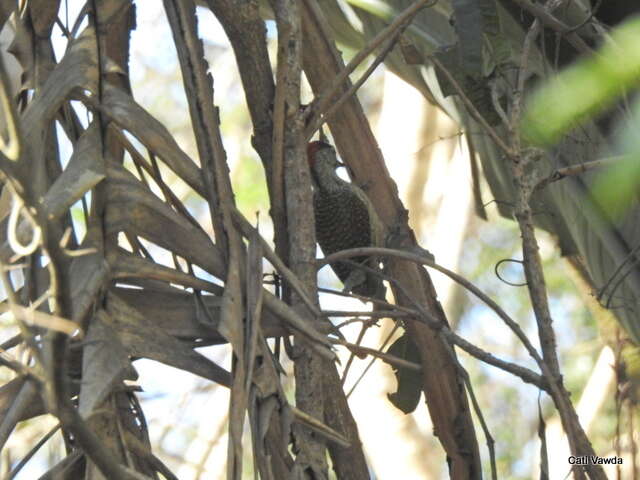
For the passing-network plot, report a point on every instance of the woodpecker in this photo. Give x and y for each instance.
(345, 218)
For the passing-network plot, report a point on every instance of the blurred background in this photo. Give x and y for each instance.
(427, 155)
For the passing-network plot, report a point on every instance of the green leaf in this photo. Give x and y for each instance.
(586, 88)
(407, 396)
(616, 190)
(379, 8)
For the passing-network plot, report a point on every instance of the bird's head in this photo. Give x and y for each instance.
(322, 159)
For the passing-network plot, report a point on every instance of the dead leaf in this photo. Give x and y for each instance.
(126, 113)
(87, 276)
(22, 48)
(6, 8)
(84, 171)
(125, 265)
(177, 314)
(254, 302)
(105, 364)
(43, 15)
(134, 209)
(77, 69)
(142, 338)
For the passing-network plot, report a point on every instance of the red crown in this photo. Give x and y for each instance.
(313, 148)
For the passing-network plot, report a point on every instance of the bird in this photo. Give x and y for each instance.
(344, 218)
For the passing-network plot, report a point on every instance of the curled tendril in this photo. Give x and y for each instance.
(20, 249)
(496, 270)
(64, 241)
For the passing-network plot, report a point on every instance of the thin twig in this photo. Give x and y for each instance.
(367, 314)
(483, 424)
(363, 330)
(12, 342)
(366, 369)
(579, 169)
(32, 452)
(552, 22)
(153, 170)
(512, 324)
(534, 274)
(525, 374)
(386, 357)
(247, 231)
(320, 118)
(323, 101)
(629, 261)
(21, 402)
(319, 427)
(473, 111)
(516, 102)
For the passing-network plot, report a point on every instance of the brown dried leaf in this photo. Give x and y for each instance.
(22, 48)
(231, 326)
(105, 364)
(177, 314)
(126, 113)
(265, 379)
(254, 301)
(125, 265)
(77, 69)
(43, 15)
(6, 8)
(87, 277)
(132, 208)
(70, 466)
(144, 452)
(141, 337)
(84, 171)
(318, 342)
(266, 410)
